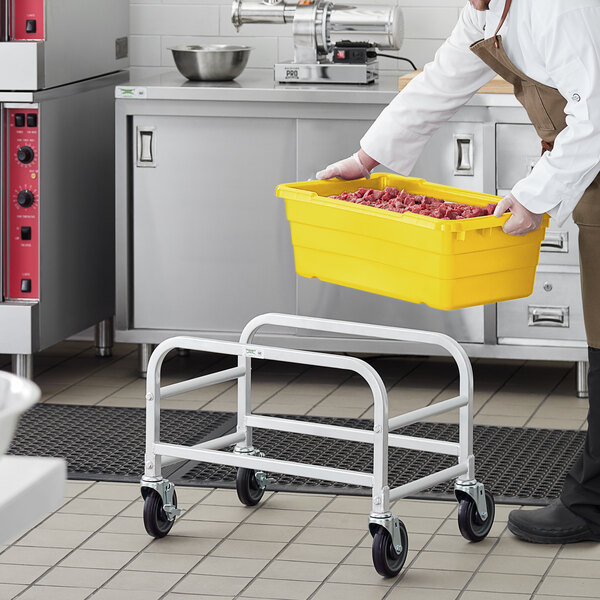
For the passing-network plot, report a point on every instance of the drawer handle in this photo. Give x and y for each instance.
(556, 241)
(146, 147)
(548, 316)
(463, 154)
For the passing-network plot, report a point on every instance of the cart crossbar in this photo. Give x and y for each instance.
(215, 444)
(350, 434)
(421, 414)
(190, 385)
(418, 485)
(259, 463)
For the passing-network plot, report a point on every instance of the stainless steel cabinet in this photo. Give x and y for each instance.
(208, 250)
(203, 245)
(554, 311)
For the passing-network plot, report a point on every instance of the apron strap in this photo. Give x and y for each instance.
(504, 13)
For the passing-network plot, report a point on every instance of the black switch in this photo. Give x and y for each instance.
(31, 120)
(26, 286)
(30, 26)
(25, 233)
(19, 120)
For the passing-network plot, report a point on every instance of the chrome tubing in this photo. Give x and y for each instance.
(243, 11)
(381, 25)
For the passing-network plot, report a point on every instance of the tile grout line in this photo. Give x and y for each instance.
(477, 570)
(547, 396)
(95, 371)
(72, 550)
(547, 571)
(140, 552)
(270, 560)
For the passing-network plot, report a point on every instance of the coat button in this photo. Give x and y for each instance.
(576, 97)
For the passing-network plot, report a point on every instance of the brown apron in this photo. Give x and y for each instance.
(546, 109)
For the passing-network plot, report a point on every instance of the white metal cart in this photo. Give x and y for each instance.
(390, 538)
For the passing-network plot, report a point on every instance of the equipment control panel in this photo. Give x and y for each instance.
(27, 20)
(21, 256)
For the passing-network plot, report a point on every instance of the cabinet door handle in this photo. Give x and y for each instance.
(463, 154)
(548, 316)
(556, 241)
(146, 147)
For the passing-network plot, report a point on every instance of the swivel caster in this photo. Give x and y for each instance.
(249, 489)
(471, 525)
(156, 521)
(388, 560)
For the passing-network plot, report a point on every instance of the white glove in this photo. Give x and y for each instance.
(522, 221)
(349, 168)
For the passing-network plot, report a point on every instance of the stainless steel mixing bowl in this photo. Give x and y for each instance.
(215, 62)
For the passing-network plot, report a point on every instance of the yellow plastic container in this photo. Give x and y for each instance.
(445, 264)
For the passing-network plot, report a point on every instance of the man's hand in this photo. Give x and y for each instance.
(360, 164)
(522, 221)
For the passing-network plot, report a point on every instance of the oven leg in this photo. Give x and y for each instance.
(103, 336)
(582, 379)
(22, 365)
(144, 352)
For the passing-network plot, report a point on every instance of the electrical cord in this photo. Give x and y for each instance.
(412, 64)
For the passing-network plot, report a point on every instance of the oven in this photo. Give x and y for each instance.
(46, 43)
(60, 61)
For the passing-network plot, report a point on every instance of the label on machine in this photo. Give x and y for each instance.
(27, 20)
(21, 255)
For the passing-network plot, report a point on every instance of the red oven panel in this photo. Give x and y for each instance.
(21, 266)
(28, 20)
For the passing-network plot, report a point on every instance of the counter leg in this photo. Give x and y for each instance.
(103, 337)
(582, 379)
(22, 365)
(144, 352)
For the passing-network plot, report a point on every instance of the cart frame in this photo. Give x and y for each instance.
(159, 454)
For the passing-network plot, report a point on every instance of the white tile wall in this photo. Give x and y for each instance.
(157, 25)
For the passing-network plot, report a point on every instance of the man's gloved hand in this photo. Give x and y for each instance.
(356, 166)
(522, 221)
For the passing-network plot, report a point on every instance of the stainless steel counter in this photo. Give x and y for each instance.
(257, 85)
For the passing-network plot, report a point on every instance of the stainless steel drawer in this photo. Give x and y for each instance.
(560, 246)
(553, 312)
(517, 150)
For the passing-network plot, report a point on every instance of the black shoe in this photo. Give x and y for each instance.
(553, 524)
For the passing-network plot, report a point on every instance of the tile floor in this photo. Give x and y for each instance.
(291, 546)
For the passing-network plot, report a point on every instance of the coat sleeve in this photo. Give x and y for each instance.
(571, 50)
(399, 134)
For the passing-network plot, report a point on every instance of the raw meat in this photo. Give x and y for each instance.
(398, 201)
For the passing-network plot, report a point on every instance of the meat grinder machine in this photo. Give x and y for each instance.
(332, 43)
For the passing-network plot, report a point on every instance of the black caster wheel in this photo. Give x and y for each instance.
(156, 522)
(248, 490)
(387, 562)
(471, 526)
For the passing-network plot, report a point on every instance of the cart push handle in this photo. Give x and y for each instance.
(367, 330)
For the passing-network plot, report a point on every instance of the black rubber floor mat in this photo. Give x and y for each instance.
(519, 465)
(106, 443)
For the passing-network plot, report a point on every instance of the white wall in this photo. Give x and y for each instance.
(158, 24)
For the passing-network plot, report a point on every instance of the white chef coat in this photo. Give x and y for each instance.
(555, 42)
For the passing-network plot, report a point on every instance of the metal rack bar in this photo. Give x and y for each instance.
(200, 382)
(259, 463)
